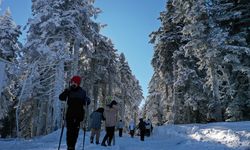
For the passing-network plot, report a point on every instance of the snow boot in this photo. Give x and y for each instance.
(97, 142)
(70, 148)
(91, 140)
(103, 144)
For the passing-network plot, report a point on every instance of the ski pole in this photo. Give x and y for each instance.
(114, 139)
(64, 121)
(85, 122)
(63, 125)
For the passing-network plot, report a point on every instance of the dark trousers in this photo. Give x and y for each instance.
(147, 132)
(72, 133)
(109, 135)
(132, 132)
(142, 134)
(120, 132)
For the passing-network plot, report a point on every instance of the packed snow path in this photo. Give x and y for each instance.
(213, 136)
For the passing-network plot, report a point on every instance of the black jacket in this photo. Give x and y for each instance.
(76, 101)
(142, 125)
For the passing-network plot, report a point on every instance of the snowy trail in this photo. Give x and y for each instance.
(213, 136)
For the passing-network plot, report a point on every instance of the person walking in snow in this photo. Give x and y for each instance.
(120, 126)
(148, 127)
(142, 127)
(131, 128)
(110, 115)
(76, 99)
(95, 124)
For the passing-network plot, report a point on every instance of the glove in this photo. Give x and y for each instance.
(63, 96)
(66, 91)
(82, 125)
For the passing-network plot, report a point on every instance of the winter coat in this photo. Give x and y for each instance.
(96, 120)
(120, 125)
(111, 115)
(131, 126)
(142, 125)
(148, 124)
(76, 100)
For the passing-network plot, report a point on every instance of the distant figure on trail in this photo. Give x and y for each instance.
(142, 127)
(111, 116)
(120, 126)
(149, 127)
(95, 124)
(76, 99)
(131, 128)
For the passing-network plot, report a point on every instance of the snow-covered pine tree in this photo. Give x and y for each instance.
(98, 69)
(208, 65)
(9, 50)
(63, 41)
(58, 34)
(131, 92)
(179, 73)
(233, 19)
(9, 33)
(219, 50)
(133, 101)
(102, 79)
(155, 107)
(162, 60)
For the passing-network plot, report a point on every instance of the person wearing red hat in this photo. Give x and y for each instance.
(76, 100)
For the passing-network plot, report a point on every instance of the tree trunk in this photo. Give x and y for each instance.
(75, 57)
(216, 95)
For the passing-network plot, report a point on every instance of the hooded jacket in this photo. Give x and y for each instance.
(96, 120)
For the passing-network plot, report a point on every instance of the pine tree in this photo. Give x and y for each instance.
(9, 33)
(60, 33)
(9, 50)
(63, 41)
(233, 19)
(201, 57)
(131, 93)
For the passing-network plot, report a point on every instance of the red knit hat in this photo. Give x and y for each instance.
(76, 79)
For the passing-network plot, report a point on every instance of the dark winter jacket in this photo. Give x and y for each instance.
(142, 125)
(76, 101)
(96, 120)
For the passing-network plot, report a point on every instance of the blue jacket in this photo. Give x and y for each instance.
(96, 120)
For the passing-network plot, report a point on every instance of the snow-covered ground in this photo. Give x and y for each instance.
(213, 136)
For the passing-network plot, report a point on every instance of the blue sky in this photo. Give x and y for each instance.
(129, 24)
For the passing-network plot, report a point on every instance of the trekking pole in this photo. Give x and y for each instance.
(114, 139)
(85, 122)
(64, 122)
(63, 125)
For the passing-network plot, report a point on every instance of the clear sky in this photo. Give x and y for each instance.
(129, 24)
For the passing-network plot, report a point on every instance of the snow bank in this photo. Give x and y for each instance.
(213, 136)
(234, 135)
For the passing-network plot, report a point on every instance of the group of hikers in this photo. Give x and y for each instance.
(77, 99)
